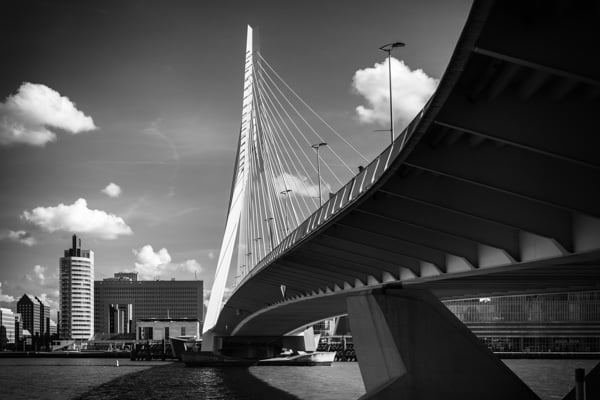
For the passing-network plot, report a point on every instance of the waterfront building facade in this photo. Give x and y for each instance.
(166, 328)
(7, 326)
(76, 293)
(44, 317)
(123, 300)
(18, 327)
(557, 322)
(29, 308)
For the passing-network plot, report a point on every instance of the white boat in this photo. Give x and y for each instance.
(299, 358)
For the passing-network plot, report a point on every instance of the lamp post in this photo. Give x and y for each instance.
(269, 219)
(316, 147)
(256, 248)
(388, 49)
(287, 222)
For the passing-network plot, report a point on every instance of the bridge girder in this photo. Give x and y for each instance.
(494, 192)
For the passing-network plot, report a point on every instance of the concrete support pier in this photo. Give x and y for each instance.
(410, 346)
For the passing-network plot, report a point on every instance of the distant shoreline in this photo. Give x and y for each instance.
(127, 354)
(65, 354)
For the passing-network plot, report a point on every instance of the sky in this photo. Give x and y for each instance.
(119, 119)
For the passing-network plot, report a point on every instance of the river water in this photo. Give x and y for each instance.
(101, 379)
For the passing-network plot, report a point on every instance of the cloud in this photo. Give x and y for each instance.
(54, 305)
(27, 116)
(77, 217)
(4, 297)
(410, 90)
(18, 236)
(112, 190)
(226, 295)
(39, 273)
(300, 185)
(157, 264)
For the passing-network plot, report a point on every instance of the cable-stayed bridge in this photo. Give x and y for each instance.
(492, 189)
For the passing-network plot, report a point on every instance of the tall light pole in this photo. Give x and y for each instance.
(286, 192)
(256, 247)
(269, 219)
(316, 146)
(388, 49)
(249, 258)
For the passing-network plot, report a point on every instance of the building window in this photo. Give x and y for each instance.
(183, 331)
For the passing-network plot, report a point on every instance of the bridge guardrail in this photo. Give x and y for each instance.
(347, 194)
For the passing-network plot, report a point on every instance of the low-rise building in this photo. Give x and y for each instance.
(166, 328)
(7, 326)
(123, 300)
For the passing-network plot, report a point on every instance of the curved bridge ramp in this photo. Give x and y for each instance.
(493, 189)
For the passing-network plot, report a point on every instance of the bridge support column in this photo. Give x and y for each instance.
(410, 346)
(209, 341)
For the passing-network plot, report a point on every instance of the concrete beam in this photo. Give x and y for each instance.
(456, 224)
(409, 345)
(489, 205)
(414, 234)
(515, 171)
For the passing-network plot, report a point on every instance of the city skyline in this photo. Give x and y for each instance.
(140, 163)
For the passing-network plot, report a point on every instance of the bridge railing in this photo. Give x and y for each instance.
(347, 195)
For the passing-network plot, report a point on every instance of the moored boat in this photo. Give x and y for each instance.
(321, 358)
(208, 359)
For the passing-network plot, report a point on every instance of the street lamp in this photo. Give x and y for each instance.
(269, 219)
(287, 222)
(316, 147)
(256, 248)
(388, 49)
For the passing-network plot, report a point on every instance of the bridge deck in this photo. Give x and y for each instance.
(492, 189)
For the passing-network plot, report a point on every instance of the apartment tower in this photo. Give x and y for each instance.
(77, 293)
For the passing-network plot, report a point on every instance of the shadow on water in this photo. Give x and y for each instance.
(176, 381)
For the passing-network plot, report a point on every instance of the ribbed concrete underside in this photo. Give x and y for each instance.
(495, 191)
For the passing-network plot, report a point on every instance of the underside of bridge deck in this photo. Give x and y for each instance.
(493, 189)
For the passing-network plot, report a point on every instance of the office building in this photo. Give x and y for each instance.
(44, 316)
(29, 308)
(123, 300)
(556, 322)
(18, 327)
(77, 293)
(166, 328)
(7, 325)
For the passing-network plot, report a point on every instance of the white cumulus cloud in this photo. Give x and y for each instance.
(112, 190)
(410, 91)
(4, 297)
(18, 236)
(50, 300)
(28, 116)
(226, 295)
(157, 264)
(300, 185)
(39, 272)
(77, 217)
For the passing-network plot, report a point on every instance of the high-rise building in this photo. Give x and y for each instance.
(123, 300)
(77, 293)
(44, 316)
(18, 327)
(29, 308)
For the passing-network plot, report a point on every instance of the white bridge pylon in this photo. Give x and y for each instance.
(284, 169)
